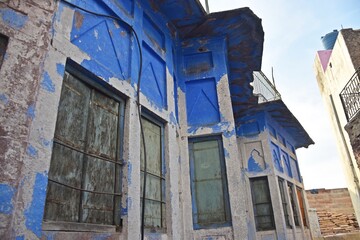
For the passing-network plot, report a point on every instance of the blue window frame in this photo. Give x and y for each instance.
(210, 199)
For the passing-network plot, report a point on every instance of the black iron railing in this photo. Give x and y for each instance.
(350, 96)
(264, 89)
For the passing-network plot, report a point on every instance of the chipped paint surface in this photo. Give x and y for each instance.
(6, 197)
(13, 18)
(47, 83)
(194, 80)
(34, 213)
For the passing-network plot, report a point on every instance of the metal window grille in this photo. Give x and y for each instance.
(350, 96)
(85, 170)
(263, 88)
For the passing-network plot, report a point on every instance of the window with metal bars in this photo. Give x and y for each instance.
(284, 202)
(155, 205)
(208, 183)
(85, 171)
(293, 204)
(263, 211)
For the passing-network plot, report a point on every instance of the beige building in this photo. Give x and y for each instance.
(338, 80)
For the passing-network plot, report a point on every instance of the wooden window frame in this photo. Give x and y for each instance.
(259, 228)
(147, 115)
(300, 195)
(95, 84)
(284, 202)
(228, 221)
(293, 199)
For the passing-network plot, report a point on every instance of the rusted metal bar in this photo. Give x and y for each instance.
(58, 141)
(84, 190)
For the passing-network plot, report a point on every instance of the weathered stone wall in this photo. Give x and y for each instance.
(331, 79)
(353, 129)
(353, 45)
(27, 24)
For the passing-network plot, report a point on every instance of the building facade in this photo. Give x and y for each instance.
(124, 117)
(337, 74)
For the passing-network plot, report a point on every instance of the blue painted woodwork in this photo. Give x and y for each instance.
(201, 102)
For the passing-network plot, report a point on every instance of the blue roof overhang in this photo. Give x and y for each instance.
(280, 113)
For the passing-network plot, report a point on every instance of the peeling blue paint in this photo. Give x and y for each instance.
(47, 83)
(124, 210)
(193, 129)
(153, 236)
(4, 99)
(229, 134)
(22, 237)
(12, 18)
(34, 213)
(31, 111)
(46, 143)
(32, 151)
(102, 236)
(254, 166)
(226, 153)
(6, 195)
(173, 119)
(60, 68)
(129, 173)
(49, 235)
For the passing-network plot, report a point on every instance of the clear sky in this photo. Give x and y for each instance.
(292, 36)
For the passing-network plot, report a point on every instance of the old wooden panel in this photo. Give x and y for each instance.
(293, 205)
(62, 203)
(66, 164)
(99, 175)
(208, 182)
(73, 112)
(103, 126)
(284, 202)
(301, 205)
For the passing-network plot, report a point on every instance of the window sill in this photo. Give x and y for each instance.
(78, 227)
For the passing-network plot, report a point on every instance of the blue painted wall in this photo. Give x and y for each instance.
(280, 141)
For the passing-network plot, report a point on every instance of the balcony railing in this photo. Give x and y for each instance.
(264, 89)
(350, 96)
